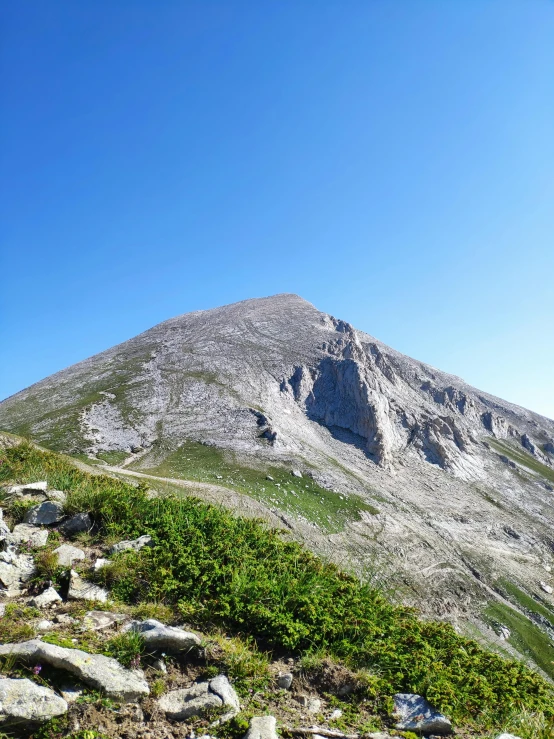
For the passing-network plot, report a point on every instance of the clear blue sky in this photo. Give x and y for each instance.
(392, 161)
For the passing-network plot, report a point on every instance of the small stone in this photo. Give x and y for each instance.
(270, 478)
(71, 693)
(296, 473)
(167, 638)
(262, 727)
(2, 609)
(135, 544)
(58, 496)
(68, 554)
(101, 562)
(337, 713)
(76, 524)
(507, 736)
(200, 699)
(45, 599)
(547, 588)
(25, 533)
(505, 633)
(44, 514)
(414, 713)
(65, 619)
(314, 705)
(44, 625)
(98, 620)
(284, 681)
(80, 589)
(159, 665)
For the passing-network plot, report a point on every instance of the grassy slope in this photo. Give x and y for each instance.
(297, 496)
(520, 456)
(215, 569)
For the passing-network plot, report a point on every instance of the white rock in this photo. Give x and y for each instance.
(68, 554)
(98, 620)
(100, 672)
(100, 562)
(2, 609)
(414, 713)
(199, 699)
(547, 588)
(507, 736)
(58, 496)
(168, 638)
(262, 727)
(19, 568)
(45, 599)
(44, 514)
(44, 625)
(314, 705)
(337, 713)
(296, 473)
(25, 533)
(136, 544)
(80, 589)
(29, 487)
(24, 701)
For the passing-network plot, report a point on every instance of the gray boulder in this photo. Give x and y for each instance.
(25, 533)
(15, 569)
(199, 699)
(76, 524)
(44, 514)
(68, 554)
(285, 681)
(135, 544)
(102, 673)
(414, 713)
(167, 638)
(80, 589)
(45, 599)
(22, 701)
(262, 727)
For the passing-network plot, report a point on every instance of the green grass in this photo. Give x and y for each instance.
(526, 602)
(525, 636)
(296, 496)
(113, 457)
(520, 456)
(222, 571)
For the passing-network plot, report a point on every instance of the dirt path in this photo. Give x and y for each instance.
(215, 494)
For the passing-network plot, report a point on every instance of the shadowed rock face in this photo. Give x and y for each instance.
(274, 380)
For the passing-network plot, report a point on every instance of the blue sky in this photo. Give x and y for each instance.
(392, 161)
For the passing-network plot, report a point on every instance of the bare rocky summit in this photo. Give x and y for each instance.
(449, 489)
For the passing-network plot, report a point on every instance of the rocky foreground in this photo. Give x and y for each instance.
(171, 684)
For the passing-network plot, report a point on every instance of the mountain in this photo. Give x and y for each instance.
(374, 459)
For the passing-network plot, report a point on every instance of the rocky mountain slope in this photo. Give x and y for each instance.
(398, 468)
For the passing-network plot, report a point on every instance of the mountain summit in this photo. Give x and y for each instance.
(451, 486)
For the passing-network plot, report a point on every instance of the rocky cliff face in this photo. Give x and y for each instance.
(273, 381)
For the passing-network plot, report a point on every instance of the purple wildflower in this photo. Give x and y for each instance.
(37, 669)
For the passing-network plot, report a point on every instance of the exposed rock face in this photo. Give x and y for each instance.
(102, 673)
(44, 514)
(276, 382)
(22, 701)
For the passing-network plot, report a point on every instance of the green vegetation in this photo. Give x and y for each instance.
(526, 602)
(217, 570)
(525, 636)
(297, 496)
(14, 624)
(522, 457)
(113, 457)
